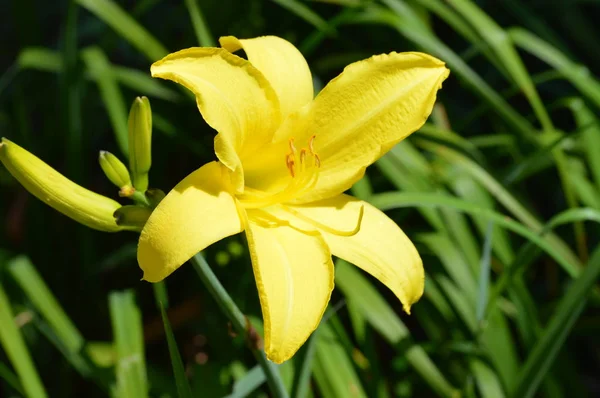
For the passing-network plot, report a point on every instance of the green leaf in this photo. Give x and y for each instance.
(304, 12)
(69, 339)
(333, 368)
(132, 381)
(499, 41)
(248, 383)
(102, 72)
(391, 200)
(183, 387)
(543, 354)
(487, 381)
(127, 27)
(382, 318)
(301, 385)
(577, 74)
(44, 59)
(203, 35)
(14, 347)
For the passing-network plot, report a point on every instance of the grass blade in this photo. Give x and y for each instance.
(62, 329)
(500, 42)
(305, 13)
(127, 27)
(203, 35)
(14, 346)
(382, 318)
(391, 200)
(248, 383)
(44, 59)
(101, 70)
(333, 368)
(549, 344)
(126, 320)
(183, 387)
(577, 74)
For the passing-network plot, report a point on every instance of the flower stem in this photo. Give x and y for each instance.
(238, 321)
(139, 198)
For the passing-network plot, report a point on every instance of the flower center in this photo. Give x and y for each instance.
(303, 166)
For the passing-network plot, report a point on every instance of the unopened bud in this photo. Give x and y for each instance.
(154, 196)
(132, 217)
(54, 189)
(116, 172)
(140, 142)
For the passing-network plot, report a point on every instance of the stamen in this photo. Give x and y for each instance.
(325, 227)
(310, 144)
(304, 178)
(292, 146)
(302, 155)
(289, 161)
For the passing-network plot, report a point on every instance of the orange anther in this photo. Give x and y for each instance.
(310, 144)
(289, 162)
(317, 160)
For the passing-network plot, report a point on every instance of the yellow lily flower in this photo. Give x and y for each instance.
(284, 161)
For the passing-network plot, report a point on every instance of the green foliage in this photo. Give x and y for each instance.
(500, 191)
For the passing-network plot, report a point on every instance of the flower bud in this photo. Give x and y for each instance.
(54, 189)
(116, 172)
(132, 217)
(154, 196)
(140, 140)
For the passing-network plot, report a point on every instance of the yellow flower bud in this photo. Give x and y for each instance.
(140, 140)
(54, 189)
(116, 172)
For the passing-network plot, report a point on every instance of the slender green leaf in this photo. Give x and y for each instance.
(248, 383)
(203, 35)
(487, 382)
(301, 385)
(126, 320)
(577, 74)
(501, 44)
(392, 200)
(382, 318)
(333, 368)
(43, 59)
(14, 346)
(552, 339)
(127, 27)
(183, 387)
(101, 70)
(307, 14)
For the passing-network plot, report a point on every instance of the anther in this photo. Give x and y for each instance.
(310, 144)
(317, 160)
(289, 161)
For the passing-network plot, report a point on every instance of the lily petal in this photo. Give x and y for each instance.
(356, 118)
(294, 276)
(233, 96)
(379, 248)
(283, 66)
(196, 213)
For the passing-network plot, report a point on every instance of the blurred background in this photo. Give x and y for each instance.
(500, 191)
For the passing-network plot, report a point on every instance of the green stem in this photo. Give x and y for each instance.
(140, 198)
(238, 321)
